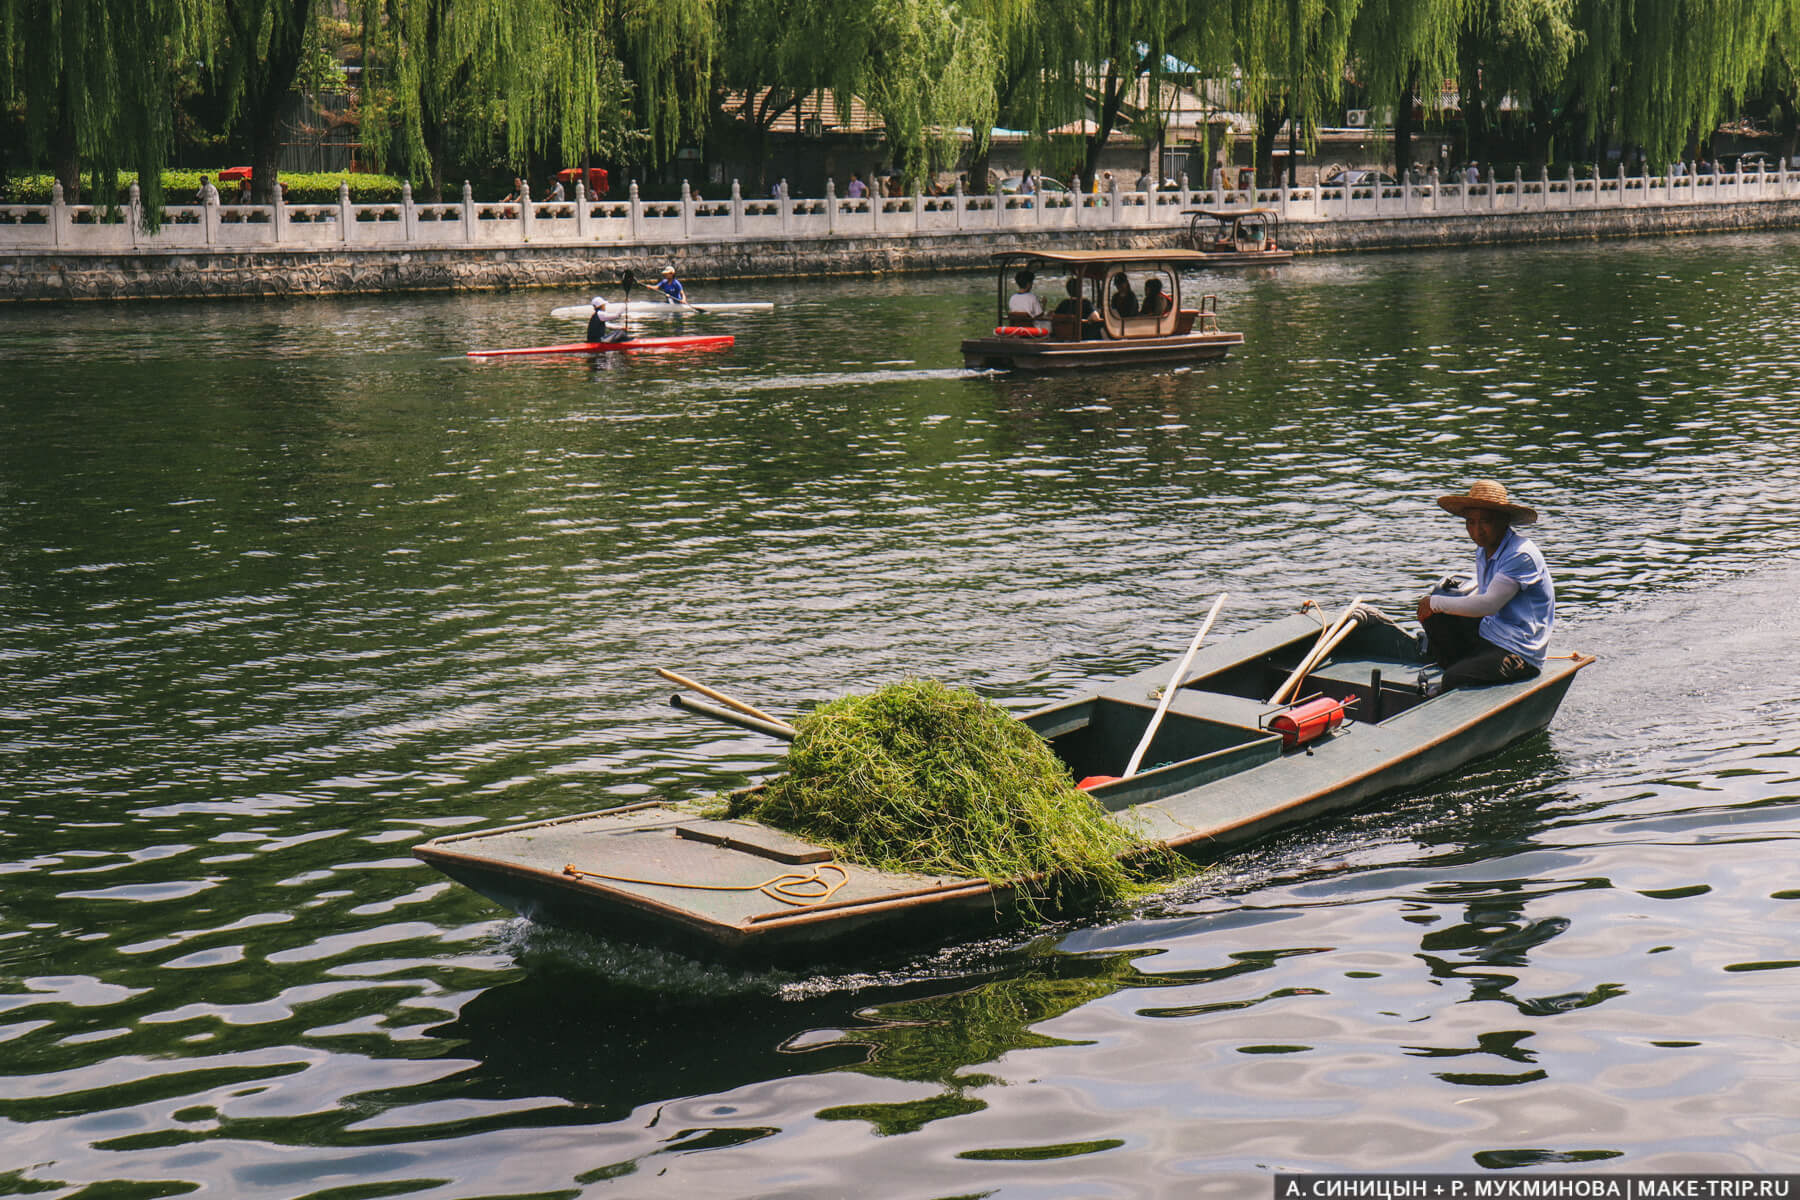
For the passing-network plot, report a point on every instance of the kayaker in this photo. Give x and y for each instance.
(669, 286)
(596, 327)
(1498, 629)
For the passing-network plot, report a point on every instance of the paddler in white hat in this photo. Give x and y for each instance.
(1498, 630)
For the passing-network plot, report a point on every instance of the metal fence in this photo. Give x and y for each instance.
(632, 221)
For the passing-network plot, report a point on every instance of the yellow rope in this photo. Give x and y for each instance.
(790, 888)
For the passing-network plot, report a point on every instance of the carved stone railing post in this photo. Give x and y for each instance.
(581, 209)
(526, 217)
(134, 212)
(637, 214)
(468, 213)
(409, 216)
(831, 204)
(737, 209)
(961, 201)
(346, 214)
(687, 211)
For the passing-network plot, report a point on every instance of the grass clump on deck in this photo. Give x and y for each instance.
(918, 776)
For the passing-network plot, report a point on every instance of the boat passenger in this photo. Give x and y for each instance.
(1124, 301)
(1024, 308)
(1078, 305)
(1155, 303)
(1499, 630)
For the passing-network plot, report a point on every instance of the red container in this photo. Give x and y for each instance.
(1307, 722)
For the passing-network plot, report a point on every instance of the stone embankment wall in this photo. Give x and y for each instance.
(224, 272)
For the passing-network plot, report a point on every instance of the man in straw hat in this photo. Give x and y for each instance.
(1500, 630)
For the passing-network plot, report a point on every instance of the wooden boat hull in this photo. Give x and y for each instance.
(696, 342)
(1045, 354)
(1216, 777)
(1243, 258)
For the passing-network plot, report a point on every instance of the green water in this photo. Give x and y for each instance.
(287, 588)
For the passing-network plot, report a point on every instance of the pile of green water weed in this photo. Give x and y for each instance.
(921, 777)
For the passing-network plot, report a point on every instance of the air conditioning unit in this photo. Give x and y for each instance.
(1356, 118)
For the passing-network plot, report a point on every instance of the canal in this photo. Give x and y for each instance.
(286, 588)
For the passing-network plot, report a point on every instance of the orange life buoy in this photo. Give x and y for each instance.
(1021, 331)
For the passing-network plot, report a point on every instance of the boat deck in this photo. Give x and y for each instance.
(1215, 775)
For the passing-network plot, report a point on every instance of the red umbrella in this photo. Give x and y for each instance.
(596, 179)
(234, 174)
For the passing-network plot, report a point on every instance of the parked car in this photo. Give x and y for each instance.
(1013, 184)
(1355, 177)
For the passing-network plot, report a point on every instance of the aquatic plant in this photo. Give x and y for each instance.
(919, 776)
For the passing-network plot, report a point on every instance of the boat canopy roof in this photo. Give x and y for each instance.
(1221, 214)
(1089, 258)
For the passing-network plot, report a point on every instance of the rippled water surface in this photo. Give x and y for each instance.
(288, 588)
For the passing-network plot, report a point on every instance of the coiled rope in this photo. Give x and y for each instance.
(790, 888)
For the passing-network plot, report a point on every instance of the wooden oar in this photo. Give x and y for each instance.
(1137, 756)
(722, 698)
(742, 720)
(1317, 652)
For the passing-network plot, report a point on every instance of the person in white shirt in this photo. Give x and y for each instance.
(1024, 308)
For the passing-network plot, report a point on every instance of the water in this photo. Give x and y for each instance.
(287, 588)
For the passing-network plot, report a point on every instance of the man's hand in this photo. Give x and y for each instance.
(1424, 608)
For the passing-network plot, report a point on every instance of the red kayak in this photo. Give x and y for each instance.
(677, 342)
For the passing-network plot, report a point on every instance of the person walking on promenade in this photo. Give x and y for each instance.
(1498, 629)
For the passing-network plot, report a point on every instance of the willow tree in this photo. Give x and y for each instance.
(1403, 52)
(928, 73)
(1035, 89)
(95, 80)
(768, 63)
(1292, 54)
(534, 75)
(1669, 67)
(261, 48)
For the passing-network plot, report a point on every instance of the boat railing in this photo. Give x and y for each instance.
(632, 221)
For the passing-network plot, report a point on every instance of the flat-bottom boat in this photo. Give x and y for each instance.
(694, 342)
(1225, 767)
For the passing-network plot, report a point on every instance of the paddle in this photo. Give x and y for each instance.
(1137, 756)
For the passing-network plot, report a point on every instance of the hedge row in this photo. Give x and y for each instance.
(180, 187)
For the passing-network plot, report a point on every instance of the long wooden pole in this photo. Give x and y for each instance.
(1313, 655)
(1137, 756)
(722, 698)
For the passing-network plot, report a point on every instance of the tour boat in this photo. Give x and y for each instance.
(1240, 238)
(677, 342)
(1091, 331)
(1226, 763)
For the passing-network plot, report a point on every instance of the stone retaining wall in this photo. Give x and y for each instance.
(77, 275)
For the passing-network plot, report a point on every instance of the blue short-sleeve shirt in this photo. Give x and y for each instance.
(1523, 625)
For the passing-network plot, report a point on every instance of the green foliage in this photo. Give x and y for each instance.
(180, 187)
(917, 776)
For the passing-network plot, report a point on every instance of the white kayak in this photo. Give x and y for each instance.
(658, 308)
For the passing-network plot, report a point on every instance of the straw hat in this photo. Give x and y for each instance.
(668, 270)
(1485, 493)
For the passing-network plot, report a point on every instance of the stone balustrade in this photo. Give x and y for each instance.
(632, 221)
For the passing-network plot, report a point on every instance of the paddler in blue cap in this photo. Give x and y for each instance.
(1499, 630)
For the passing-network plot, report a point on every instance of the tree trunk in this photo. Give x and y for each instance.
(65, 157)
(1475, 132)
(1112, 97)
(1403, 125)
(267, 81)
(1269, 119)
